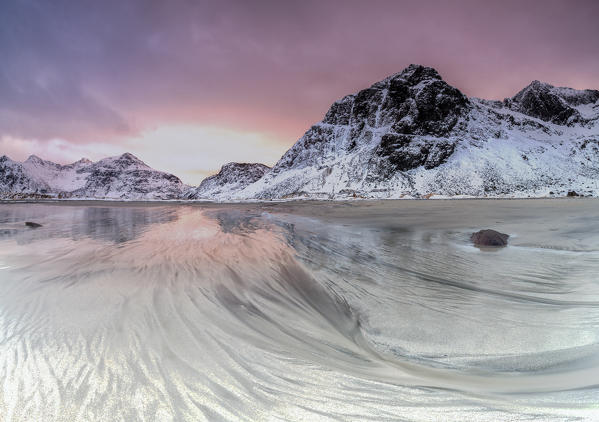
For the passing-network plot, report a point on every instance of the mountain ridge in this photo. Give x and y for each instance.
(410, 135)
(413, 135)
(118, 177)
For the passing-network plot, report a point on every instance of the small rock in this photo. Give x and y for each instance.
(32, 224)
(489, 237)
(572, 193)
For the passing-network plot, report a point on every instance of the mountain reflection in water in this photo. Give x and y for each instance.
(299, 311)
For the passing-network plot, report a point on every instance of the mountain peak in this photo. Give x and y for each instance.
(534, 86)
(542, 100)
(412, 75)
(126, 160)
(415, 73)
(34, 159)
(128, 156)
(538, 84)
(234, 165)
(232, 178)
(415, 101)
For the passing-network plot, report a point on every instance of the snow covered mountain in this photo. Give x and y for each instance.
(15, 179)
(122, 177)
(226, 184)
(414, 135)
(411, 135)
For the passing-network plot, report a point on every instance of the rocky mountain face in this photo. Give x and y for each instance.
(414, 135)
(228, 182)
(551, 104)
(122, 177)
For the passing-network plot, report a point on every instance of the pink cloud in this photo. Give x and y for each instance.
(105, 73)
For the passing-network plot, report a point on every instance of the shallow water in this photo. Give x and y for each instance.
(299, 311)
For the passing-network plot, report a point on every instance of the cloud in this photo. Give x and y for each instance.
(57, 150)
(194, 152)
(190, 152)
(100, 73)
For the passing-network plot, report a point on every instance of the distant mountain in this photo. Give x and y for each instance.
(122, 177)
(228, 182)
(414, 135)
(15, 179)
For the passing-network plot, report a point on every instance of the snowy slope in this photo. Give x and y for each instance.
(59, 178)
(232, 178)
(413, 135)
(122, 177)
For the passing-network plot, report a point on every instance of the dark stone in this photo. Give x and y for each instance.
(489, 237)
(32, 224)
(572, 193)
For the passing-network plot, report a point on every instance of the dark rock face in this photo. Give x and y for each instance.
(419, 102)
(432, 107)
(489, 237)
(32, 225)
(415, 101)
(542, 101)
(578, 97)
(340, 111)
(405, 152)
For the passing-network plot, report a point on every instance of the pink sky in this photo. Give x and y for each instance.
(189, 86)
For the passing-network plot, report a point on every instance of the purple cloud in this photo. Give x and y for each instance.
(102, 71)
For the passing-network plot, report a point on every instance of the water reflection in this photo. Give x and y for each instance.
(114, 224)
(293, 312)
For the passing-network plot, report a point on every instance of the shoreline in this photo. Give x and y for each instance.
(158, 202)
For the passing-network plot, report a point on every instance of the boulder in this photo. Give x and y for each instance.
(489, 237)
(32, 225)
